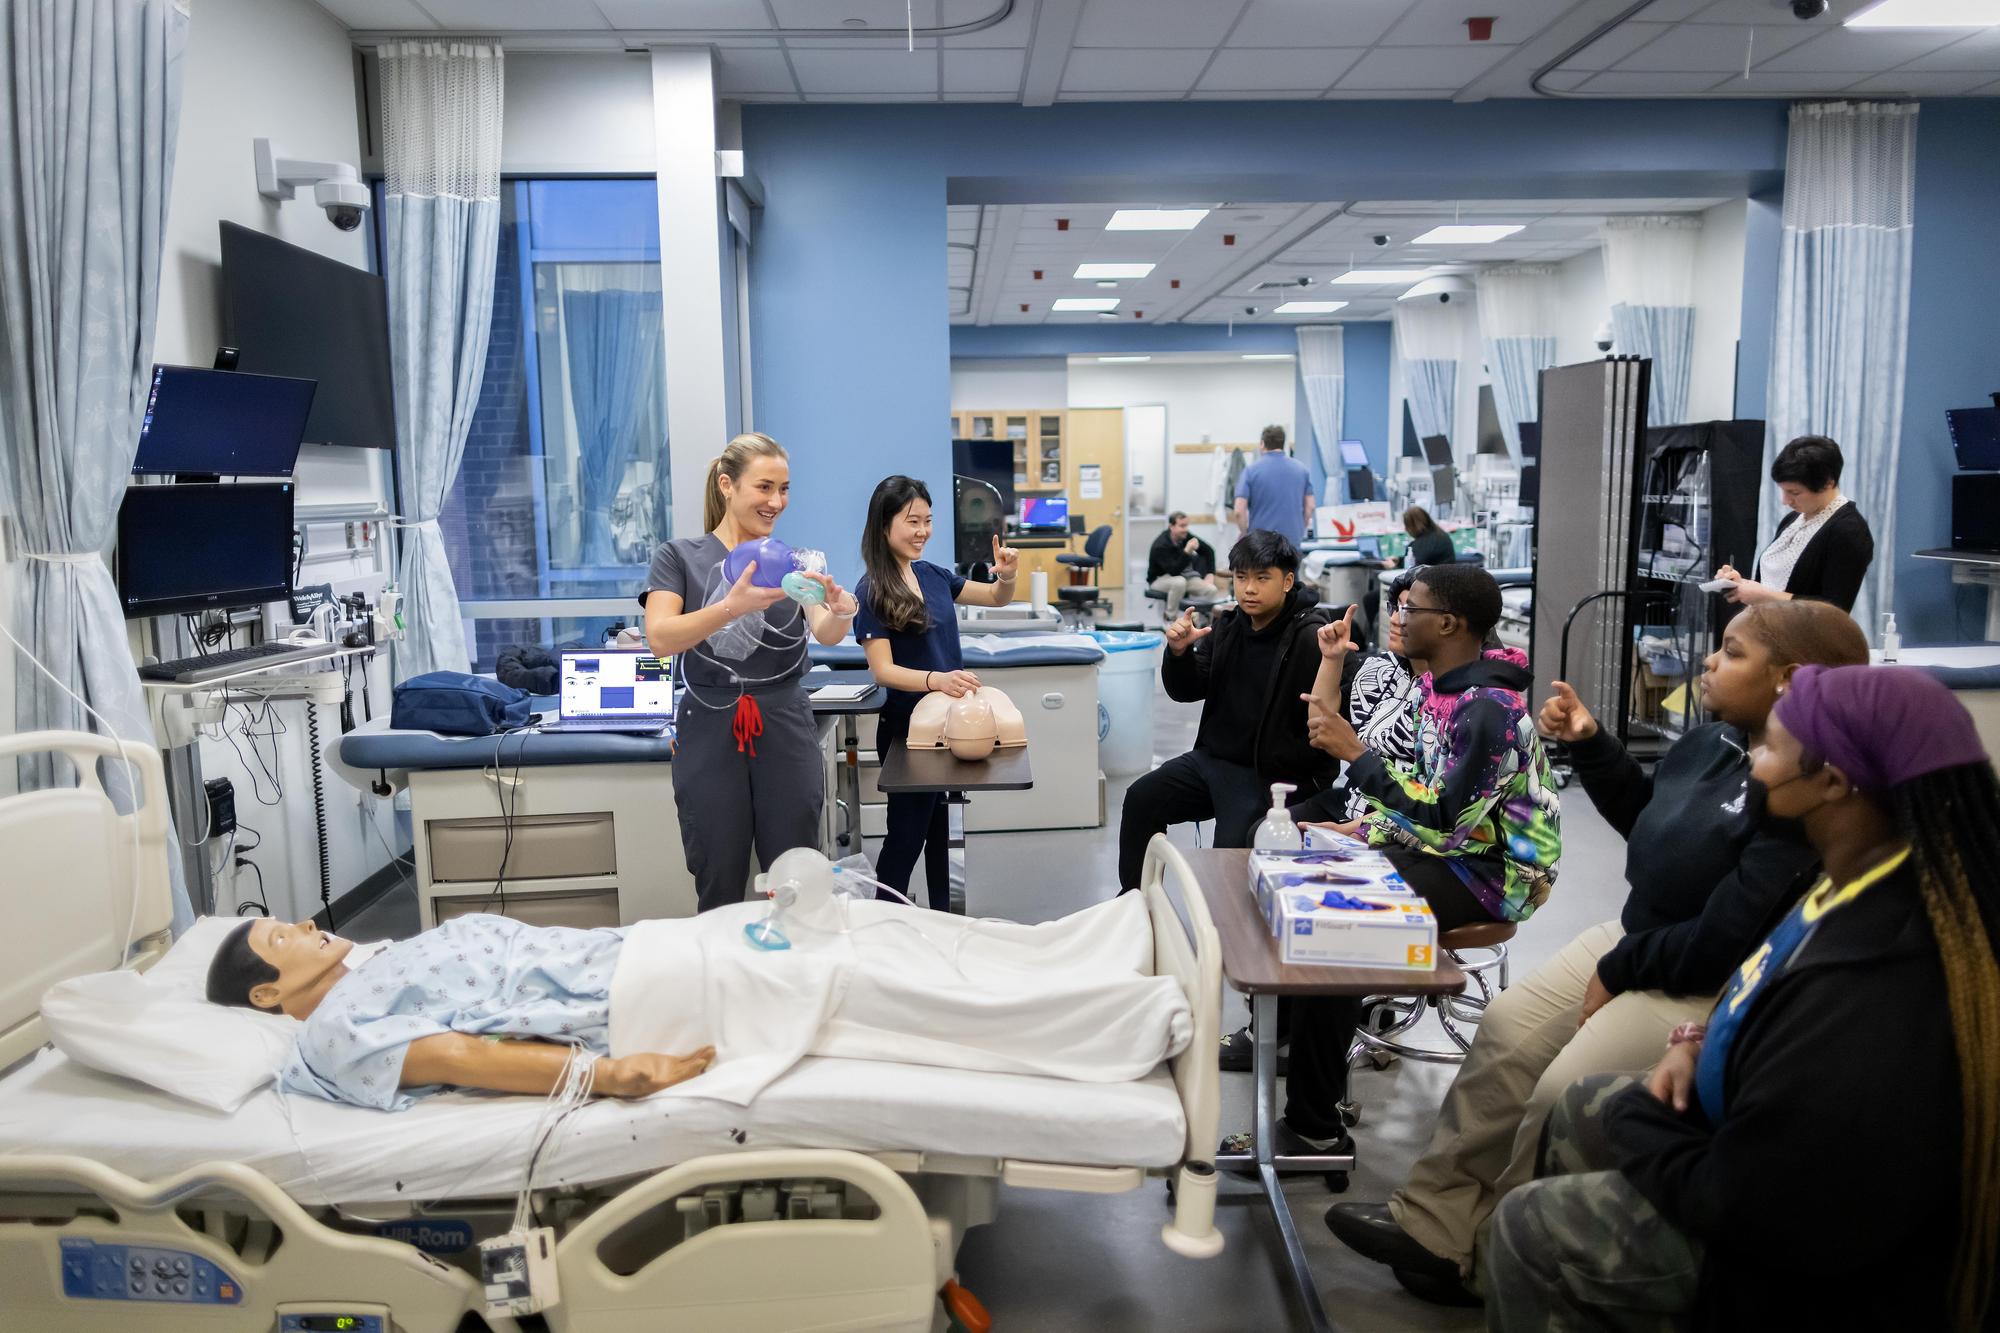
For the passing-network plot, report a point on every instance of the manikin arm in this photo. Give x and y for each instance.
(536, 1067)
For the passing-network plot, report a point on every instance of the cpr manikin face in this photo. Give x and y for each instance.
(303, 955)
(969, 731)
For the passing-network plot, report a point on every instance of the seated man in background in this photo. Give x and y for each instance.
(1248, 671)
(1180, 564)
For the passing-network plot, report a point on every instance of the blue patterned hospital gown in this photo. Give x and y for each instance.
(482, 975)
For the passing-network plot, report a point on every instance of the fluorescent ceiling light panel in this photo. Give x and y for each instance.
(1380, 277)
(1085, 303)
(1468, 234)
(1120, 360)
(1156, 219)
(1309, 307)
(1928, 14)
(1267, 356)
(1113, 270)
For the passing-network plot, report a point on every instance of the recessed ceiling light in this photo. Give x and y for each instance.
(854, 23)
(1469, 234)
(1106, 314)
(1309, 307)
(1156, 219)
(1928, 14)
(1120, 360)
(1113, 270)
(1377, 277)
(1085, 303)
(1267, 356)
(1108, 283)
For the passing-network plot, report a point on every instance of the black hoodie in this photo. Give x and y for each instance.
(1211, 673)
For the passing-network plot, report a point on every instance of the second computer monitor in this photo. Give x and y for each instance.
(1352, 454)
(1437, 451)
(222, 422)
(1050, 513)
(206, 547)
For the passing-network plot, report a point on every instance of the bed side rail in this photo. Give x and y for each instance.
(1190, 951)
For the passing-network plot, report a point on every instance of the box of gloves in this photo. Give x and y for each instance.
(1365, 926)
(1351, 866)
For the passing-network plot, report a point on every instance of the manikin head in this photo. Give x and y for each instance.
(277, 966)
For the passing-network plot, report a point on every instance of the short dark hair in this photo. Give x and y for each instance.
(236, 969)
(1467, 591)
(1274, 437)
(1811, 461)
(1261, 548)
(1176, 517)
(1402, 582)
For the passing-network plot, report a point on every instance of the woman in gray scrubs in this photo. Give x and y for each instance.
(748, 772)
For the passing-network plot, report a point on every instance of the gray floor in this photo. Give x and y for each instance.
(1070, 1261)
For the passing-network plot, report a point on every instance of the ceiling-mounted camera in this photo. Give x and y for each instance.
(1603, 337)
(336, 186)
(1250, 310)
(1805, 11)
(1380, 238)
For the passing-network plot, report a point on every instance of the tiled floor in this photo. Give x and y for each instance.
(1071, 1261)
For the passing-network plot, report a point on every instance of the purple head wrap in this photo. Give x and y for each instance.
(1880, 725)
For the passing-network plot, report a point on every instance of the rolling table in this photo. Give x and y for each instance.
(917, 771)
(847, 783)
(1251, 964)
(1980, 569)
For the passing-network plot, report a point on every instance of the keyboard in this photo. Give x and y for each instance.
(196, 670)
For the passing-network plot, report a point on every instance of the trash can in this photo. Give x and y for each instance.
(1125, 700)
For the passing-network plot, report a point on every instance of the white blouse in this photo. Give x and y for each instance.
(1781, 557)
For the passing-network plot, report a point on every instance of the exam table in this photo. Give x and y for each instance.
(836, 1200)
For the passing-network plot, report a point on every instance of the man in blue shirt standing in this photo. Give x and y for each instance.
(1276, 492)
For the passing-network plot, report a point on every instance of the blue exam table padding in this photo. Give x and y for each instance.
(376, 745)
(1968, 678)
(979, 652)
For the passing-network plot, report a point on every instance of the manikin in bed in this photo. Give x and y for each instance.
(489, 1002)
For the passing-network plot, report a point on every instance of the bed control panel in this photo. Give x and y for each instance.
(98, 1272)
(333, 1319)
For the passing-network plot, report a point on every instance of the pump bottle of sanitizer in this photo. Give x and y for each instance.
(1279, 832)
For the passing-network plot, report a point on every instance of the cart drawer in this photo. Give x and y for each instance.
(542, 847)
(585, 909)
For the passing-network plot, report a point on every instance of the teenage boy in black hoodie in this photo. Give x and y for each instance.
(1248, 671)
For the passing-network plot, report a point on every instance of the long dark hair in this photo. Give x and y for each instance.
(895, 603)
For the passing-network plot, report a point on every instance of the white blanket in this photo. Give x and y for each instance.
(1068, 999)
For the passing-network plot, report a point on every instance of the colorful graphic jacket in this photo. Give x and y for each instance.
(1479, 792)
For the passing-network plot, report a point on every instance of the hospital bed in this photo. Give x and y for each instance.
(836, 1200)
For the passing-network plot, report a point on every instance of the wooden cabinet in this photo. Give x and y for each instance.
(1037, 436)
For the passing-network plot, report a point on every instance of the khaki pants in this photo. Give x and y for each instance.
(1177, 586)
(1527, 1052)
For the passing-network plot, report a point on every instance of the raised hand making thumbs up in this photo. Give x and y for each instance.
(1565, 718)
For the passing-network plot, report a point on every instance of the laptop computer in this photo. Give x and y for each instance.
(614, 689)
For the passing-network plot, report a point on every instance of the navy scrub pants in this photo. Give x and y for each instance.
(749, 777)
(918, 823)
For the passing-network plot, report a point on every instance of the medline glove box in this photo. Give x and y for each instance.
(1353, 868)
(1369, 930)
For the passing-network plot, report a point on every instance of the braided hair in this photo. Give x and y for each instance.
(1951, 819)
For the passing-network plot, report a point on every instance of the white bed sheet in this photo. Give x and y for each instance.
(473, 1145)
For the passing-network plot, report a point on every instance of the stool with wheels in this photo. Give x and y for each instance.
(1388, 1019)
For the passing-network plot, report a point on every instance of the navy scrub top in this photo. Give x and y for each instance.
(934, 647)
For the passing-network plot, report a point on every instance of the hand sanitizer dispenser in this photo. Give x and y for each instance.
(1279, 832)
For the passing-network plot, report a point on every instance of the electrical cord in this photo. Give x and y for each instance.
(319, 810)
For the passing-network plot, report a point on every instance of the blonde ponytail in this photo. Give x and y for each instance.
(735, 456)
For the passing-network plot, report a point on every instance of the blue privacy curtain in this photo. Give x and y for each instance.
(1649, 277)
(1843, 321)
(87, 123)
(613, 339)
(1323, 375)
(441, 222)
(1518, 310)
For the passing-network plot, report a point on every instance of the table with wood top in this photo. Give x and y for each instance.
(918, 771)
(1251, 963)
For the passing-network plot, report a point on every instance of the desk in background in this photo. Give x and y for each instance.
(1979, 569)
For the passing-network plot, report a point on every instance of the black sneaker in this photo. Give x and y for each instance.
(1238, 1049)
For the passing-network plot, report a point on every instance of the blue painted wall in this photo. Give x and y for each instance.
(1366, 413)
(1954, 353)
(851, 338)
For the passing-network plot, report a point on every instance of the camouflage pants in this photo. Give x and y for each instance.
(1578, 1247)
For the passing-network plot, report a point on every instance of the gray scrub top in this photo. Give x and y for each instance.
(686, 566)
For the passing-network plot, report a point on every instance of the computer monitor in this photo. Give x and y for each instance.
(1360, 484)
(202, 547)
(1975, 511)
(1437, 451)
(222, 422)
(1051, 513)
(1352, 454)
(1975, 437)
(1443, 488)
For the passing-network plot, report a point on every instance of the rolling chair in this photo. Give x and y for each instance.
(1082, 599)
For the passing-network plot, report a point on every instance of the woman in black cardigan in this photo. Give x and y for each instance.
(1823, 548)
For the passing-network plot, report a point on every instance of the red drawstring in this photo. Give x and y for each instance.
(748, 724)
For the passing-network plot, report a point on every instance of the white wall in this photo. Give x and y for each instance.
(1718, 312)
(1585, 308)
(1013, 382)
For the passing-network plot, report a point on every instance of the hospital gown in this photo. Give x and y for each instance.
(482, 975)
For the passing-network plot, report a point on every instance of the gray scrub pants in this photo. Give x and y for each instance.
(731, 801)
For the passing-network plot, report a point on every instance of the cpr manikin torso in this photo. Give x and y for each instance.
(971, 727)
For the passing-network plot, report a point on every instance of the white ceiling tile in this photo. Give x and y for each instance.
(742, 70)
(1698, 47)
(514, 15)
(768, 97)
(1016, 30)
(885, 16)
(1255, 95)
(1979, 52)
(378, 14)
(710, 14)
(1673, 11)
(1244, 70)
(1389, 69)
(871, 97)
(1613, 46)
(1642, 82)
(1389, 94)
(1860, 52)
(1764, 83)
(1442, 22)
(859, 44)
(1128, 23)
(982, 97)
(865, 71)
(1315, 22)
(1922, 84)
(1132, 71)
(988, 71)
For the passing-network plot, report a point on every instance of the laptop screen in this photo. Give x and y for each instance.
(1049, 513)
(616, 683)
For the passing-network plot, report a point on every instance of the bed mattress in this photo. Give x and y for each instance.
(467, 1144)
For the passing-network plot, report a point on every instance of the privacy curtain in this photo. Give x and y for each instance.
(1429, 338)
(441, 220)
(1518, 309)
(1323, 375)
(1649, 276)
(87, 125)
(1843, 321)
(612, 330)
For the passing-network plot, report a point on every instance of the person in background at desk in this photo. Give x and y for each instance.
(1180, 564)
(1429, 543)
(1276, 492)
(747, 766)
(1823, 548)
(909, 629)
